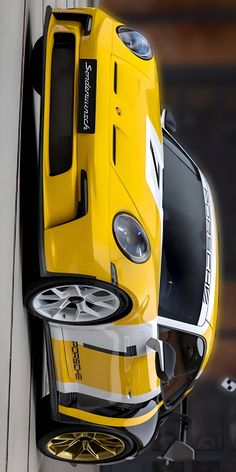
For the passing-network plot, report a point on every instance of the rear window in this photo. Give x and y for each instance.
(184, 241)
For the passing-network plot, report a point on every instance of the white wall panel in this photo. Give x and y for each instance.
(18, 451)
(11, 27)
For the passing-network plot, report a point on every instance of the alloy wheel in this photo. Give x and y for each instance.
(76, 303)
(85, 446)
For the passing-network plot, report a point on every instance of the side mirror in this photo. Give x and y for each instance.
(179, 451)
(165, 359)
(168, 121)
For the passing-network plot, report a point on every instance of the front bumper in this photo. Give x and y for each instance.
(72, 244)
(84, 245)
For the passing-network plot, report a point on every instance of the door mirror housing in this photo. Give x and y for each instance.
(179, 451)
(165, 359)
(168, 121)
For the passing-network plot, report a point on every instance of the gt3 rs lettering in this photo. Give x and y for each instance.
(211, 251)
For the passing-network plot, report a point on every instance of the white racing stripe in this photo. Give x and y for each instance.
(74, 387)
(109, 336)
(186, 327)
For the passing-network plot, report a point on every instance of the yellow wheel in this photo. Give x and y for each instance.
(80, 443)
(86, 446)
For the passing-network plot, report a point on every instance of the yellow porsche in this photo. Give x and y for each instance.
(114, 367)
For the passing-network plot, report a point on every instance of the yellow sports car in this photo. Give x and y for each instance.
(113, 373)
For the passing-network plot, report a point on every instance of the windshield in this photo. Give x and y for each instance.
(184, 238)
(189, 350)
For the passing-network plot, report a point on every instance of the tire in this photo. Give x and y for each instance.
(36, 66)
(77, 301)
(92, 438)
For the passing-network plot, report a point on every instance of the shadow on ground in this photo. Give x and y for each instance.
(29, 214)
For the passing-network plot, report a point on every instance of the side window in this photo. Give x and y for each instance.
(189, 350)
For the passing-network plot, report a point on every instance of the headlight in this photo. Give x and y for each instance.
(131, 238)
(135, 41)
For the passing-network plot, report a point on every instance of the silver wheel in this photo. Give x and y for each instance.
(76, 303)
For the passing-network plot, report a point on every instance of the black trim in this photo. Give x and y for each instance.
(83, 203)
(114, 144)
(50, 275)
(157, 169)
(131, 351)
(114, 277)
(61, 103)
(82, 18)
(42, 262)
(115, 77)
